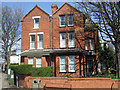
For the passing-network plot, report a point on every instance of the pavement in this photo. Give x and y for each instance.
(4, 83)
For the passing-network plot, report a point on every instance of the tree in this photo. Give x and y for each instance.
(107, 15)
(10, 29)
(106, 55)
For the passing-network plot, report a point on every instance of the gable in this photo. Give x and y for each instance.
(35, 13)
(66, 8)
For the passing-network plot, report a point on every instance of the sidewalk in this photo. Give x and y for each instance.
(4, 82)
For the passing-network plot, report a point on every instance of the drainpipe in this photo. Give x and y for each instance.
(50, 39)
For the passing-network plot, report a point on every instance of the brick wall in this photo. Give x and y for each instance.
(28, 25)
(64, 82)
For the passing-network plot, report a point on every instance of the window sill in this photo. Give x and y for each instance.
(63, 47)
(70, 25)
(63, 72)
(36, 28)
(62, 26)
(32, 48)
(68, 72)
(71, 47)
(40, 48)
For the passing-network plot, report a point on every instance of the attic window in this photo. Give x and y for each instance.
(36, 21)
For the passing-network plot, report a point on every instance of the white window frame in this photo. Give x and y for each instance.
(40, 33)
(69, 20)
(61, 41)
(30, 39)
(71, 41)
(91, 44)
(62, 63)
(87, 47)
(40, 62)
(61, 21)
(32, 61)
(36, 17)
(71, 63)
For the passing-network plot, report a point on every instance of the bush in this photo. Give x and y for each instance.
(22, 69)
(33, 71)
(42, 72)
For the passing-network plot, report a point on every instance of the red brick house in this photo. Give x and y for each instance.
(60, 40)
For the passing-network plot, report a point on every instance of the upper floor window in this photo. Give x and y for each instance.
(36, 21)
(70, 20)
(38, 61)
(30, 60)
(62, 40)
(40, 41)
(71, 63)
(62, 20)
(62, 63)
(91, 44)
(86, 44)
(71, 41)
(32, 41)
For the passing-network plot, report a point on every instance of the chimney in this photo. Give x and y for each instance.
(54, 8)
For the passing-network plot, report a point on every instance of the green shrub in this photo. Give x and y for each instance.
(22, 69)
(33, 71)
(42, 72)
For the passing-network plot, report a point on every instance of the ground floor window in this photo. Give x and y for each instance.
(71, 63)
(30, 60)
(38, 61)
(62, 63)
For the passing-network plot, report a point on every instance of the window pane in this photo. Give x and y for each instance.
(86, 44)
(36, 20)
(32, 41)
(91, 44)
(70, 20)
(30, 60)
(40, 41)
(63, 64)
(36, 23)
(62, 40)
(62, 20)
(32, 37)
(71, 63)
(71, 40)
(38, 61)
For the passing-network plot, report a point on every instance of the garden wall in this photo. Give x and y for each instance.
(64, 82)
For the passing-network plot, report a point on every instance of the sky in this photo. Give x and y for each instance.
(26, 7)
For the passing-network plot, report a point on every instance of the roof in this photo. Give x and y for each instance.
(32, 10)
(64, 5)
(47, 52)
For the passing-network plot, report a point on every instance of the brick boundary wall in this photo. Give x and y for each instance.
(64, 82)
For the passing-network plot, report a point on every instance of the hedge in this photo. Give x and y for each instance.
(32, 71)
(42, 72)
